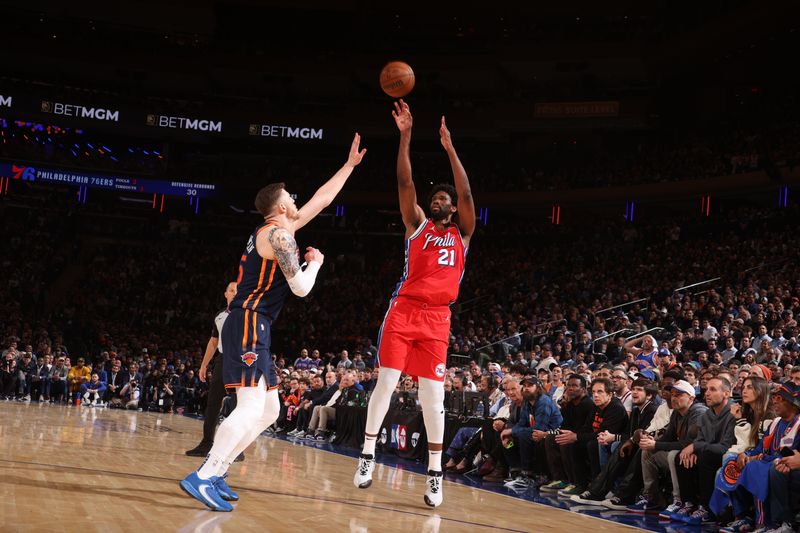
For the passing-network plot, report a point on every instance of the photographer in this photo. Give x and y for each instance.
(163, 396)
(27, 371)
(131, 390)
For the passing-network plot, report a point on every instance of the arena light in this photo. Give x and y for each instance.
(483, 214)
(783, 196)
(555, 217)
(630, 205)
(705, 205)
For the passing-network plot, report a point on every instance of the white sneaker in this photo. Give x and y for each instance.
(363, 477)
(433, 489)
(519, 482)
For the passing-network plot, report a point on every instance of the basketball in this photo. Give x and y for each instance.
(397, 79)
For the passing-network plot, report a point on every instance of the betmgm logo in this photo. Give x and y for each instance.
(79, 111)
(285, 132)
(6, 101)
(183, 123)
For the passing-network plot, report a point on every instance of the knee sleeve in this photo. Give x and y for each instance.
(431, 396)
(239, 425)
(272, 408)
(380, 398)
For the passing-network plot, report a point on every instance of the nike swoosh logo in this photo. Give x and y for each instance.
(204, 491)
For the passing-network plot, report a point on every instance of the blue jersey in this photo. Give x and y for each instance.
(261, 285)
(649, 357)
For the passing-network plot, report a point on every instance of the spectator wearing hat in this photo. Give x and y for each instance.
(77, 376)
(763, 475)
(761, 371)
(784, 475)
(303, 362)
(538, 416)
(58, 380)
(631, 483)
(697, 464)
(547, 358)
(658, 455)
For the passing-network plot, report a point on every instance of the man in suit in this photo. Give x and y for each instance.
(116, 380)
(616, 351)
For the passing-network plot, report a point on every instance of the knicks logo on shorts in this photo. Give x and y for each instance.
(440, 369)
(731, 472)
(249, 358)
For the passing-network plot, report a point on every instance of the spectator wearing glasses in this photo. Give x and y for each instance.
(621, 381)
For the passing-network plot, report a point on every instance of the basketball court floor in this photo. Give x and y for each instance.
(82, 469)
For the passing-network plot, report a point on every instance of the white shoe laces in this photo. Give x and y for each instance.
(364, 466)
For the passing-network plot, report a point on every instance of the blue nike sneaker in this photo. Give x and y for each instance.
(203, 490)
(224, 490)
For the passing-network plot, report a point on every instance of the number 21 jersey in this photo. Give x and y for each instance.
(434, 265)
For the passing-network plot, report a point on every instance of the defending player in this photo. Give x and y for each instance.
(268, 270)
(414, 334)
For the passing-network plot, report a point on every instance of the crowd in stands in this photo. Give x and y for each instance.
(110, 308)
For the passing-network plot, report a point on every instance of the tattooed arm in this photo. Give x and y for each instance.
(285, 249)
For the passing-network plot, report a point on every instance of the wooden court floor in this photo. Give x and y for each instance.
(65, 469)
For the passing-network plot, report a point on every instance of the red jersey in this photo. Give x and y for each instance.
(434, 265)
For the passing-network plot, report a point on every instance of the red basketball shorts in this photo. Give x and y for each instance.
(413, 339)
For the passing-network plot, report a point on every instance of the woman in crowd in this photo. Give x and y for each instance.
(753, 417)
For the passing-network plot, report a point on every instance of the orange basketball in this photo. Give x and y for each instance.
(397, 79)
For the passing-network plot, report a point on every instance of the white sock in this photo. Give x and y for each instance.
(212, 466)
(435, 460)
(379, 405)
(236, 431)
(431, 396)
(369, 445)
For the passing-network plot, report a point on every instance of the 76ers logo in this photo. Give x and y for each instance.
(440, 369)
(249, 358)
